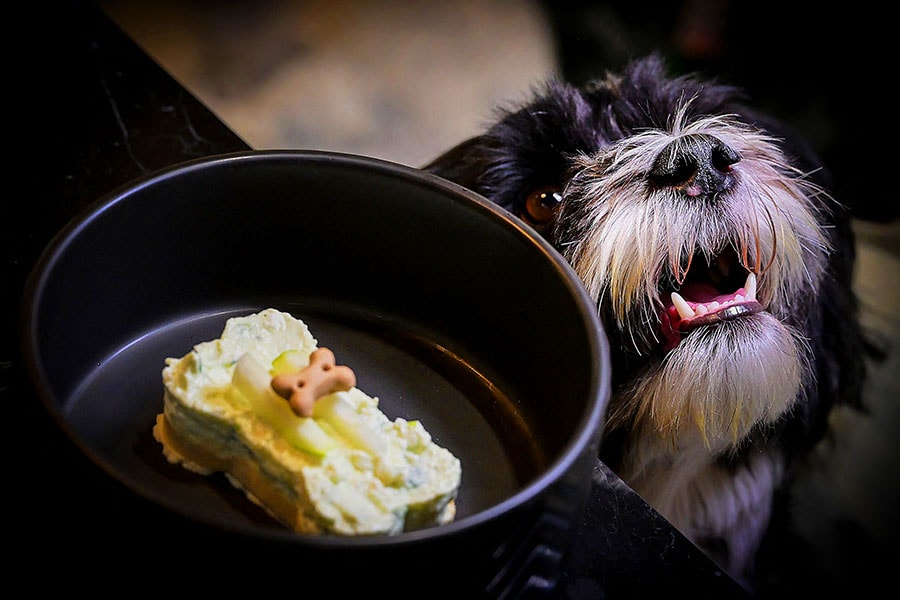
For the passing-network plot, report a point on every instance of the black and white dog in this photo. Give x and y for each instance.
(721, 268)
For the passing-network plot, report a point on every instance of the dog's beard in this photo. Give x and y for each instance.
(717, 383)
(632, 243)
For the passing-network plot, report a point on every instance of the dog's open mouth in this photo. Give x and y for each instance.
(711, 293)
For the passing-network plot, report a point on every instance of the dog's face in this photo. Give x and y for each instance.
(694, 227)
(701, 245)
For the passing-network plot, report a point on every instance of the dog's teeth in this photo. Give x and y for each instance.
(750, 287)
(738, 298)
(684, 311)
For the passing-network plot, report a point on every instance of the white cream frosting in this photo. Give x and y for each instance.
(208, 426)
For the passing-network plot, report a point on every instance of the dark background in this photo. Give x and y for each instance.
(822, 67)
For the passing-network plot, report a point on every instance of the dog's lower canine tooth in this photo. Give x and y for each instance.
(750, 287)
(684, 311)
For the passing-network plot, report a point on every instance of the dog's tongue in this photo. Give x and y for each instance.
(702, 293)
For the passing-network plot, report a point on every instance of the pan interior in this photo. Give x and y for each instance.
(113, 409)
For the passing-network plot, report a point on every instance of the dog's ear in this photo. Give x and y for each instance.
(520, 162)
(462, 164)
(535, 201)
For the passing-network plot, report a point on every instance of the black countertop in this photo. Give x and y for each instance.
(99, 113)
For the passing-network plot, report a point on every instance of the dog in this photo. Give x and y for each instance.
(721, 267)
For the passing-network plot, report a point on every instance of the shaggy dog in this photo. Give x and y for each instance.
(721, 268)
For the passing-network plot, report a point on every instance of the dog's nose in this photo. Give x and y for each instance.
(698, 164)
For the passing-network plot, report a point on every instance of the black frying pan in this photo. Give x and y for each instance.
(448, 309)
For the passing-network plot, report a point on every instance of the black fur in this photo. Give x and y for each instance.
(531, 147)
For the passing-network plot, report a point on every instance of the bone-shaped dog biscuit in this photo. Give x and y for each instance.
(320, 378)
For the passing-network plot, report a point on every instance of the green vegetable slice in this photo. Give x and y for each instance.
(290, 361)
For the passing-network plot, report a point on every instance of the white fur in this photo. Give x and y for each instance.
(718, 383)
(703, 499)
(689, 412)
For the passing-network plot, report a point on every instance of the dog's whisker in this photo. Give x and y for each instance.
(774, 250)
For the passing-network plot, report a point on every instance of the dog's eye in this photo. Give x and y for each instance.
(542, 204)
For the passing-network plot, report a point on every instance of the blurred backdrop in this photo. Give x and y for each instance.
(388, 78)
